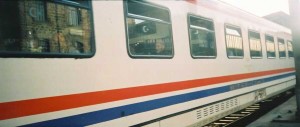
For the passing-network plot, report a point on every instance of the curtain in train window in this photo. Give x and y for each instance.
(148, 30)
(255, 45)
(270, 46)
(202, 37)
(290, 48)
(281, 48)
(234, 42)
(61, 28)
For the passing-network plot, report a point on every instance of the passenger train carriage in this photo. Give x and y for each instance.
(136, 63)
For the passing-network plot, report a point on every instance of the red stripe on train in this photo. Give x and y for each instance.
(192, 1)
(50, 104)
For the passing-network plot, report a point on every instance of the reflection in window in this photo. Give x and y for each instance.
(148, 30)
(281, 48)
(290, 49)
(202, 37)
(255, 45)
(270, 46)
(234, 42)
(66, 31)
(73, 16)
(37, 11)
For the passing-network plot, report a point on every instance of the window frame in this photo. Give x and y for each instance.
(225, 33)
(188, 28)
(73, 4)
(22, 54)
(284, 44)
(267, 47)
(254, 31)
(128, 15)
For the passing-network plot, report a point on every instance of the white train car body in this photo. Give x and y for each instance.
(115, 88)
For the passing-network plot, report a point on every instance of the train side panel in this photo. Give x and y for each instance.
(114, 89)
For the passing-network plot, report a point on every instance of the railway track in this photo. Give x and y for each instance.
(246, 116)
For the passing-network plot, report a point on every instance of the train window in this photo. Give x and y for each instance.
(281, 48)
(290, 48)
(255, 45)
(149, 31)
(234, 42)
(202, 37)
(270, 47)
(58, 28)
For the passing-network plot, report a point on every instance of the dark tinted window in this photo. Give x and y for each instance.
(45, 28)
(270, 46)
(234, 42)
(281, 48)
(148, 30)
(255, 45)
(290, 48)
(202, 37)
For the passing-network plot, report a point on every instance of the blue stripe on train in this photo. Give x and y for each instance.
(126, 110)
